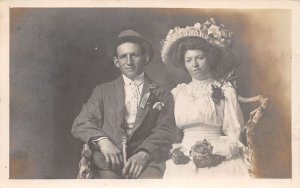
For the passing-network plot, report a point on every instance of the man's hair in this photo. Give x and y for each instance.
(143, 50)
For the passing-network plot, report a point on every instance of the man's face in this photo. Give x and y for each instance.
(130, 59)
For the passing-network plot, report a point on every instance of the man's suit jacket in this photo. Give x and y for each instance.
(103, 116)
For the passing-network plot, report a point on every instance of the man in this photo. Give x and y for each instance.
(129, 122)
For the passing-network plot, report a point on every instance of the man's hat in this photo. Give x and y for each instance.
(130, 36)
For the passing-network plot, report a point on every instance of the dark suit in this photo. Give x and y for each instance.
(103, 115)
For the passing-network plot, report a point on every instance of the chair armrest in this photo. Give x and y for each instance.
(84, 163)
(248, 130)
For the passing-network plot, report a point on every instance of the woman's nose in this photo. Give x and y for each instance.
(195, 63)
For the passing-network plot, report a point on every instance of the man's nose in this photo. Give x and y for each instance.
(129, 60)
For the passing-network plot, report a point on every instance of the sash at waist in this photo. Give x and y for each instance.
(202, 125)
(199, 132)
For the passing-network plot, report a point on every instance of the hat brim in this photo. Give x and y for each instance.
(112, 47)
(171, 56)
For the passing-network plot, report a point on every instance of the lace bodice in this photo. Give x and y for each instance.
(194, 104)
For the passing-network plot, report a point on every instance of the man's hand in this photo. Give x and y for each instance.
(136, 164)
(112, 154)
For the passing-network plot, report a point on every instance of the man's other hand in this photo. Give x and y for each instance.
(113, 155)
(136, 164)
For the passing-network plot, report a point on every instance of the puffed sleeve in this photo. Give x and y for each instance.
(233, 117)
(177, 89)
(179, 131)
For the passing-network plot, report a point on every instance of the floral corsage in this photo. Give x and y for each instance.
(217, 93)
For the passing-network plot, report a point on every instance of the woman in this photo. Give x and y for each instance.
(206, 109)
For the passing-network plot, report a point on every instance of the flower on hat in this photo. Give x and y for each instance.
(215, 31)
(197, 25)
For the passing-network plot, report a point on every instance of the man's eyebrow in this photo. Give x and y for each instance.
(125, 54)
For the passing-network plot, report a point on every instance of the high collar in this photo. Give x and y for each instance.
(138, 80)
(205, 81)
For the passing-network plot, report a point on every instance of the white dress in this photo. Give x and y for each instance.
(200, 118)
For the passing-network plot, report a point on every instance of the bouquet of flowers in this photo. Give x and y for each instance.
(202, 155)
(178, 156)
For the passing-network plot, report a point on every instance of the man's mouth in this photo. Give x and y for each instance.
(130, 68)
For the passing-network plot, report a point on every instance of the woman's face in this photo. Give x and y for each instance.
(196, 64)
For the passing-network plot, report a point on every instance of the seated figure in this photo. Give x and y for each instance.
(127, 124)
(207, 109)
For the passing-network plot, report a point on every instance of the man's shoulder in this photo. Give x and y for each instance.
(109, 84)
(158, 89)
(155, 86)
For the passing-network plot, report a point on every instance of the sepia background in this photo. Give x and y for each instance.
(57, 56)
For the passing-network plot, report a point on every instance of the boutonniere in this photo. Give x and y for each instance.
(158, 106)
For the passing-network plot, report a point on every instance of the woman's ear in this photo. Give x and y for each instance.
(116, 62)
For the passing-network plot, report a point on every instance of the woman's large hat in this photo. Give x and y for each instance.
(216, 35)
(130, 36)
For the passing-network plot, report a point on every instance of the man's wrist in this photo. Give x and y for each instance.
(97, 142)
(94, 142)
(147, 154)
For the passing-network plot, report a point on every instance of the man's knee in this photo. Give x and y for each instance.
(151, 173)
(106, 174)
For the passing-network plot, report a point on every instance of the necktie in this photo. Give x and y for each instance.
(132, 105)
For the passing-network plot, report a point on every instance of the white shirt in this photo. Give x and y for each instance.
(133, 90)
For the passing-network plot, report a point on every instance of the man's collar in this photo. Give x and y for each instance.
(138, 80)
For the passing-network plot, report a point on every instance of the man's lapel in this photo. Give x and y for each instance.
(119, 100)
(142, 112)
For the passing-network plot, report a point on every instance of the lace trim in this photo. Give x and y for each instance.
(200, 88)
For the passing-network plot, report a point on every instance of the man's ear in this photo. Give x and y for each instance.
(147, 57)
(115, 59)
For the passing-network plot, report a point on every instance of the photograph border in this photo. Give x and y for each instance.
(238, 4)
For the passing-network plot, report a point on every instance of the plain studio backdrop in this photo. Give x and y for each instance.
(57, 56)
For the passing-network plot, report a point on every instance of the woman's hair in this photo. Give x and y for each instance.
(220, 61)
